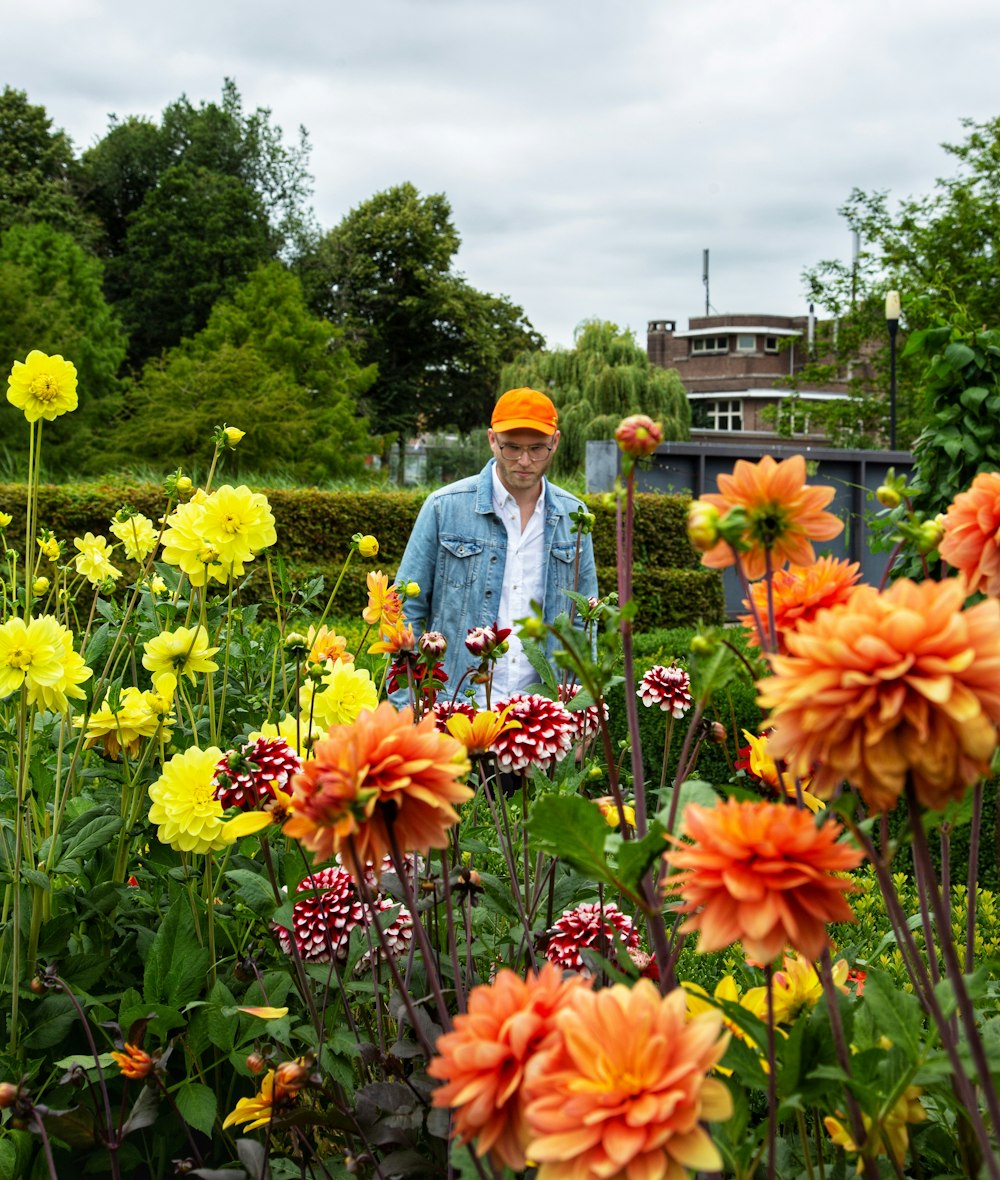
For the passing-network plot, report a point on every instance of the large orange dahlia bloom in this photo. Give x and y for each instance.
(622, 1091)
(800, 593)
(380, 770)
(764, 874)
(971, 540)
(482, 1062)
(888, 685)
(783, 515)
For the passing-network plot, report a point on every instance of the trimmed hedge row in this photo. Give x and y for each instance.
(315, 529)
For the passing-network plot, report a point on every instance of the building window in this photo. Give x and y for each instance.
(706, 344)
(725, 415)
(746, 343)
(770, 343)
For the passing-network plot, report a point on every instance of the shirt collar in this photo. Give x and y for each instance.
(502, 495)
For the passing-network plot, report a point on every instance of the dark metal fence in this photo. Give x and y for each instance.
(692, 468)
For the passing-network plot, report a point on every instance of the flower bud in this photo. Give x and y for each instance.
(432, 644)
(480, 640)
(703, 525)
(929, 536)
(638, 435)
(184, 484)
(368, 546)
(411, 589)
(533, 628)
(233, 435)
(40, 586)
(296, 642)
(887, 496)
(8, 1094)
(701, 645)
(255, 1063)
(5, 519)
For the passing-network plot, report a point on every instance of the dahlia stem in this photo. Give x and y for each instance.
(772, 1074)
(973, 880)
(452, 942)
(667, 737)
(624, 547)
(954, 970)
(508, 852)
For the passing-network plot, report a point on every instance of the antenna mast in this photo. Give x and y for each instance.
(704, 277)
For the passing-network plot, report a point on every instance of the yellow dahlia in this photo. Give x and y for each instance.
(94, 559)
(184, 651)
(795, 987)
(888, 685)
(622, 1092)
(477, 734)
(42, 386)
(185, 544)
(343, 693)
(783, 515)
(381, 770)
(137, 535)
(123, 727)
(238, 524)
(39, 655)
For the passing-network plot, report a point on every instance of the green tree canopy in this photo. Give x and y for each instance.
(52, 298)
(605, 377)
(263, 363)
(939, 251)
(37, 169)
(385, 275)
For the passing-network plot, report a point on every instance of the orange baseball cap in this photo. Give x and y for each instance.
(525, 409)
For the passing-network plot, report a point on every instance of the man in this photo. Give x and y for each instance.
(484, 548)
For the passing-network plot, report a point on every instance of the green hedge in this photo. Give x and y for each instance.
(315, 529)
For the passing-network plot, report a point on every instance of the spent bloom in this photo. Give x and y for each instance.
(125, 726)
(544, 736)
(764, 874)
(799, 593)
(49, 546)
(279, 1091)
(94, 559)
(782, 515)
(890, 685)
(589, 926)
(482, 1062)
(382, 771)
(623, 1090)
(185, 651)
(134, 1062)
(42, 386)
(668, 687)
(136, 533)
(638, 436)
(971, 540)
(39, 655)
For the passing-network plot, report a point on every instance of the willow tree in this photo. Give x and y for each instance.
(602, 379)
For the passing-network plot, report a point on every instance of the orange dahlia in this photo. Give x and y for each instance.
(384, 604)
(621, 1091)
(764, 874)
(888, 685)
(379, 771)
(799, 593)
(972, 533)
(783, 515)
(482, 1062)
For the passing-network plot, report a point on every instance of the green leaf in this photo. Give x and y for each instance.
(958, 355)
(197, 1105)
(176, 964)
(50, 1022)
(93, 835)
(573, 829)
(635, 857)
(973, 396)
(895, 1013)
(253, 890)
(693, 790)
(221, 1028)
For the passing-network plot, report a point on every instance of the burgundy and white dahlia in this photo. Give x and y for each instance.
(588, 720)
(545, 737)
(249, 776)
(445, 709)
(583, 927)
(667, 686)
(398, 934)
(322, 922)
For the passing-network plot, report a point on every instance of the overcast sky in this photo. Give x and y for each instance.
(590, 150)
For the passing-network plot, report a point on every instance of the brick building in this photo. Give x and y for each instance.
(732, 367)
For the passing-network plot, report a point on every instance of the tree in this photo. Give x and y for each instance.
(385, 275)
(939, 251)
(263, 363)
(37, 169)
(605, 377)
(52, 297)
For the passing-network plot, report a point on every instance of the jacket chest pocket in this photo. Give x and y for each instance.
(460, 560)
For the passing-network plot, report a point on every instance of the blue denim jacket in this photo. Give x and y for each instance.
(456, 555)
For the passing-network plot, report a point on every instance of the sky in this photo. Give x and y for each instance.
(590, 150)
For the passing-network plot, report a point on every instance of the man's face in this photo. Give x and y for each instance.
(523, 457)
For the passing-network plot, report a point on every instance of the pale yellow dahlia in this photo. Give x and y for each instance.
(94, 559)
(184, 651)
(42, 386)
(185, 544)
(137, 535)
(39, 655)
(188, 816)
(123, 727)
(345, 691)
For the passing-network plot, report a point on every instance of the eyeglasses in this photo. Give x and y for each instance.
(513, 451)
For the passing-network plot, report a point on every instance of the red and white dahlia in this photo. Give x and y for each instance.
(667, 686)
(583, 927)
(545, 737)
(249, 775)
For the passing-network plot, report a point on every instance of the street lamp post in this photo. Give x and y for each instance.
(892, 323)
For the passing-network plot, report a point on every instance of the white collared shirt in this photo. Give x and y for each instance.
(523, 581)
